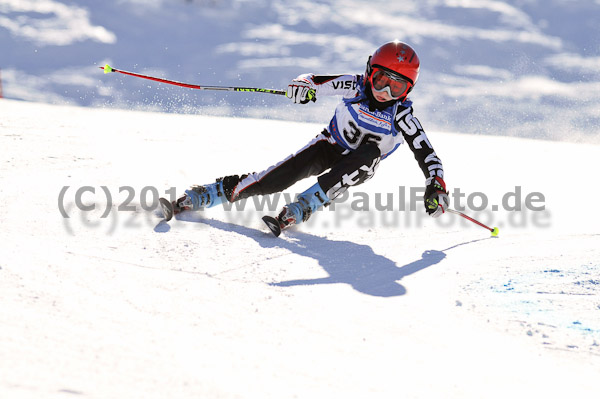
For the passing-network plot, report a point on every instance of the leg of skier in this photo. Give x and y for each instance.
(352, 169)
(316, 157)
(346, 169)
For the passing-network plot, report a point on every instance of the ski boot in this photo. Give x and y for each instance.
(297, 212)
(199, 197)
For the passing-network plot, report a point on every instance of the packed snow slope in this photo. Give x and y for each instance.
(100, 298)
(512, 67)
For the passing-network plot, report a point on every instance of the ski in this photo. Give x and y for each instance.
(273, 225)
(167, 208)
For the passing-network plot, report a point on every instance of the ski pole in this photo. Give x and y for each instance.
(493, 230)
(108, 69)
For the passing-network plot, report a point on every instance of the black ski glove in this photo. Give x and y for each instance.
(436, 197)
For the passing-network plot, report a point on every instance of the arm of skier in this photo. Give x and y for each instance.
(436, 197)
(308, 87)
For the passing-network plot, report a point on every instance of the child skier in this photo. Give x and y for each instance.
(373, 119)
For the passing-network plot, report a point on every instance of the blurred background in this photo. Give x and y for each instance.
(527, 68)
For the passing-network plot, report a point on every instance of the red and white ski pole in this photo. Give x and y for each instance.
(493, 230)
(108, 69)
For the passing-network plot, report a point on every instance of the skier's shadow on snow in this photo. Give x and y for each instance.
(346, 262)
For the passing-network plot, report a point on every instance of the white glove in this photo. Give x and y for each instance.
(301, 90)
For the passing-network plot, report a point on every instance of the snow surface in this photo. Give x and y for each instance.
(515, 67)
(359, 304)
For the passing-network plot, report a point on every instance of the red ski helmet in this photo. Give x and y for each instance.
(394, 65)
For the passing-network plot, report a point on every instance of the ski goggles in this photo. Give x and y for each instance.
(384, 81)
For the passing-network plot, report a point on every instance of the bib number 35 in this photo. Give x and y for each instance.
(353, 135)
